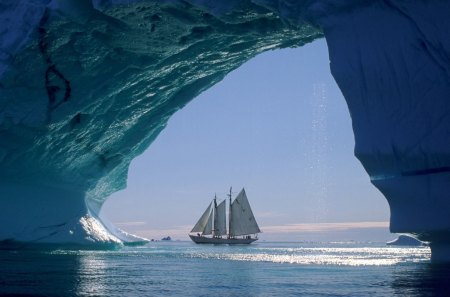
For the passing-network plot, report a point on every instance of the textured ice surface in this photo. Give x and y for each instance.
(86, 86)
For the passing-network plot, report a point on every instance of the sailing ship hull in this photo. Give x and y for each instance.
(215, 240)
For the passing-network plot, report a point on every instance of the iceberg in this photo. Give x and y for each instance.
(87, 85)
(391, 62)
(405, 240)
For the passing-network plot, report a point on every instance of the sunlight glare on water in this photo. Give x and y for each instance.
(261, 269)
(349, 256)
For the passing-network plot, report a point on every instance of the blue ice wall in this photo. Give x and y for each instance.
(391, 60)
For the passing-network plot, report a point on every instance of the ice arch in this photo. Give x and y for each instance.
(87, 85)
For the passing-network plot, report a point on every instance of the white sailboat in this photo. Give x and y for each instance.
(212, 227)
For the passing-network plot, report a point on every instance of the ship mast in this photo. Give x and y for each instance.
(229, 215)
(214, 229)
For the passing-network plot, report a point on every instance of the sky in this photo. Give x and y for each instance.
(278, 126)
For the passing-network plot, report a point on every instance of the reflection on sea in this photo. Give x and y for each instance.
(424, 279)
(92, 274)
(264, 269)
(38, 273)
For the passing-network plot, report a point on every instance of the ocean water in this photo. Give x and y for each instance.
(261, 269)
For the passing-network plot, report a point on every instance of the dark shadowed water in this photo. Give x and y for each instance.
(262, 269)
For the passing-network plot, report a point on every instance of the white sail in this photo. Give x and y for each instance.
(201, 224)
(220, 225)
(242, 220)
(209, 224)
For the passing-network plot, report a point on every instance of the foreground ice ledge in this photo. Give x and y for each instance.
(48, 215)
(54, 216)
(86, 86)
